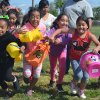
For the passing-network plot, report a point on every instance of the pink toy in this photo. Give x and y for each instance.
(91, 63)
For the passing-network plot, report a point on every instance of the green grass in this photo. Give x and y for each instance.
(42, 92)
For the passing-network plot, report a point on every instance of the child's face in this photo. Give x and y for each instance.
(45, 9)
(5, 8)
(3, 27)
(12, 18)
(82, 26)
(63, 22)
(35, 18)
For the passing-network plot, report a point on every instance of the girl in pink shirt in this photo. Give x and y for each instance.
(31, 71)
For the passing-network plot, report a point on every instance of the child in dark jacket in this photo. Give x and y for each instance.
(6, 61)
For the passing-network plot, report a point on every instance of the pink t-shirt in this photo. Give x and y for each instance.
(32, 45)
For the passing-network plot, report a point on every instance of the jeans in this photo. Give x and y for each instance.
(79, 74)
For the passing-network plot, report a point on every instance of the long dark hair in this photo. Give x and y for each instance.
(84, 19)
(27, 16)
(13, 11)
(55, 25)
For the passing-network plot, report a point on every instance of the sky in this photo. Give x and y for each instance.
(25, 4)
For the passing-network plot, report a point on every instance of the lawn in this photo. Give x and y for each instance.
(42, 92)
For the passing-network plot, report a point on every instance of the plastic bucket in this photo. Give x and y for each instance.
(91, 63)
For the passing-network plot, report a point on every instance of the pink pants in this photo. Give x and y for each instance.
(29, 71)
(62, 66)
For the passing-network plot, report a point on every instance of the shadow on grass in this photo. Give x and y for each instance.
(93, 85)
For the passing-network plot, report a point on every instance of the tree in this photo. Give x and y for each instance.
(59, 3)
(96, 13)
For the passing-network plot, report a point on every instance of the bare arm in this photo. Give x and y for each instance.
(90, 22)
(95, 40)
(62, 30)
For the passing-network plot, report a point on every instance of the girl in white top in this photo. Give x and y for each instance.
(46, 17)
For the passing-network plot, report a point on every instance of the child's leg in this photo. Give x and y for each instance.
(78, 74)
(27, 71)
(8, 73)
(53, 62)
(62, 67)
(84, 80)
(36, 74)
(67, 60)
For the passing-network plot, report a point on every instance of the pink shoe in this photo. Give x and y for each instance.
(29, 92)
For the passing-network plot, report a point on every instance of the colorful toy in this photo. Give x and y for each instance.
(37, 56)
(13, 49)
(30, 36)
(91, 63)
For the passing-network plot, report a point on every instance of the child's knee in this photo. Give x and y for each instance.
(78, 76)
(85, 78)
(27, 73)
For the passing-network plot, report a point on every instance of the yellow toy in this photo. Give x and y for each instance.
(19, 57)
(30, 36)
(13, 49)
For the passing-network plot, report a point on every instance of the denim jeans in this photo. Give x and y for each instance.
(79, 74)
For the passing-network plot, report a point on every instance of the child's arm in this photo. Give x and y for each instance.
(95, 40)
(61, 30)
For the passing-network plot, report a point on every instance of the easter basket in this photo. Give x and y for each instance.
(91, 63)
(37, 55)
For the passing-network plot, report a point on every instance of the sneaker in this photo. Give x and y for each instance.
(81, 94)
(59, 88)
(9, 93)
(16, 84)
(73, 88)
(29, 93)
(51, 84)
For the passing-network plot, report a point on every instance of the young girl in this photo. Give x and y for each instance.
(46, 17)
(81, 40)
(13, 20)
(32, 71)
(6, 62)
(4, 6)
(58, 51)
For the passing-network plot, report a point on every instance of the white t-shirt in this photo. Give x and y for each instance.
(48, 22)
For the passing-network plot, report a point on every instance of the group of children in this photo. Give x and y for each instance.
(59, 36)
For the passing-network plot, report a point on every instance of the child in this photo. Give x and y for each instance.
(32, 71)
(81, 40)
(13, 20)
(4, 6)
(58, 51)
(6, 62)
(46, 17)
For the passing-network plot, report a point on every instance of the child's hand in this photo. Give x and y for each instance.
(57, 41)
(22, 48)
(51, 39)
(22, 30)
(96, 50)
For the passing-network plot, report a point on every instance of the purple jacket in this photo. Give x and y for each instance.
(56, 50)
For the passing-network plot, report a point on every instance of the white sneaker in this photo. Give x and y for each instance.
(73, 88)
(82, 95)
